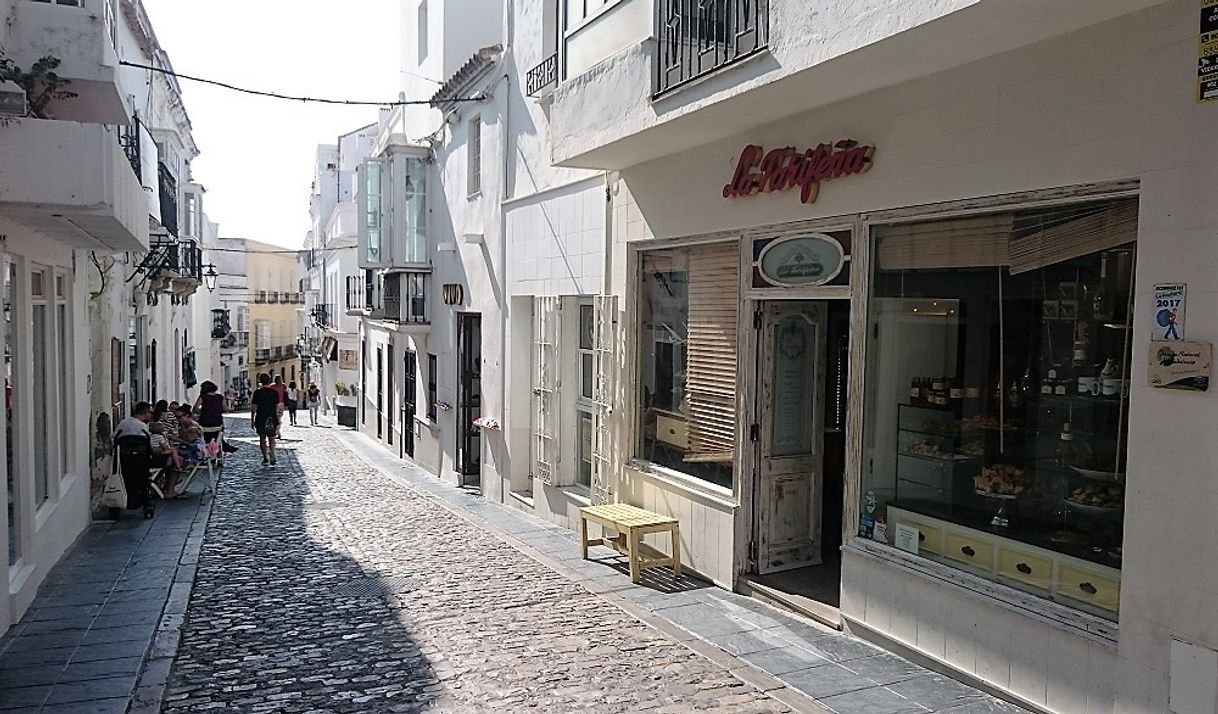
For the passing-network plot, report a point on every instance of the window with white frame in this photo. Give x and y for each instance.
(474, 159)
(262, 334)
(583, 404)
(579, 10)
(15, 405)
(40, 330)
(373, 172)
(63, 355)
(191, 229)
(422, 30)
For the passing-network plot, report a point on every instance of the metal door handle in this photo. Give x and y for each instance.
(1024, 568)
(968, 550)
(1088, 588)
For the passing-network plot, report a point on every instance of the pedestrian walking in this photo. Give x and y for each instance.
(313, 399)
(296, 399)
(264, 410)
(282, 390)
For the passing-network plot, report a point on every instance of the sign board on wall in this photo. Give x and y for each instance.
(1207, 53)
(348, 359)
(759, 171)
(802, 260)
(1170, 302)
(1180, 365)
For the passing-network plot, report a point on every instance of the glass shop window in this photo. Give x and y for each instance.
(687, 340)
(996, 420)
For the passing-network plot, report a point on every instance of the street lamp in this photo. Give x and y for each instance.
(210, 276)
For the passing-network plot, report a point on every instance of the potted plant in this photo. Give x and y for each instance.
(346, 403)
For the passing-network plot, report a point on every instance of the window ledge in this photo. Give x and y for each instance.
(525, 497)
(428, 423)
(580, 495)
(1065, 618)
(686, 484)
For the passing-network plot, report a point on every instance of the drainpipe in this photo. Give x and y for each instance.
(505, 131)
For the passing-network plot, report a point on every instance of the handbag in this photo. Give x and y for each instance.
(114, 493)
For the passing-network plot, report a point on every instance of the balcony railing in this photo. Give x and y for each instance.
(262, 355)
(698, 37)
(543, 77)
(405, 298)
(169, 199)
(129, 139)
(322, 314)
(180, 258)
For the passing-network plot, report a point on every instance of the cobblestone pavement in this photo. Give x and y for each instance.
(324, 587)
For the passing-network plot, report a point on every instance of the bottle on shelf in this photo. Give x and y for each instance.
(1101, 303)
(1110, 380)
(1061, 380)
(956, 391)
(1048, 381)
(1070, 451)
(1027, 386)
(915, 390)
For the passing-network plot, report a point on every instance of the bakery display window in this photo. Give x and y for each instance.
(996, 415)
(688, 307)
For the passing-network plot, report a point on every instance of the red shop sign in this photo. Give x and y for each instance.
(781, 169)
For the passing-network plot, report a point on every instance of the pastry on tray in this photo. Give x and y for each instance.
(1003, 480)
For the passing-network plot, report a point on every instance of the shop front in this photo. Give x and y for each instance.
(910, 383)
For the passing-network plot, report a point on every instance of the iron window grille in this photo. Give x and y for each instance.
(698, 37)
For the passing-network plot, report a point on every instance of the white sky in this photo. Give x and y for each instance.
(257, 153)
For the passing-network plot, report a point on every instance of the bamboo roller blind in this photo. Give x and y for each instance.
(987, 241)
(714, 278)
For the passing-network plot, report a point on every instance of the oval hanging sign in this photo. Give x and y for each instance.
(801, 260)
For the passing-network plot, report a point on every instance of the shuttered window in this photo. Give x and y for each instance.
(711, 377)
(688, 315)
(545, 390)
(605, 355)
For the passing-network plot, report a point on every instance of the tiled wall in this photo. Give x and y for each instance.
(556, 242)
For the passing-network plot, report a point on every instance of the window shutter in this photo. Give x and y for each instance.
(604, 386)
(714, 278)
(1075, 236)
(545, 390)
(955, 243)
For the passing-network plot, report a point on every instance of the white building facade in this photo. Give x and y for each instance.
(103, 234)
(904, 374)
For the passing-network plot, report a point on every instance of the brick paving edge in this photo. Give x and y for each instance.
(764, 682)
(154, 674)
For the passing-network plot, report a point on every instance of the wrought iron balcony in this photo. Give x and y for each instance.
(698, 37)
(322, 313)
(262, 355)
(542, 78)
(129, 139)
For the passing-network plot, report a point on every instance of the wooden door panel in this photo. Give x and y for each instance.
(793, 346)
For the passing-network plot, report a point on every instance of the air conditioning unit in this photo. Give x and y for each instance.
(12, 99)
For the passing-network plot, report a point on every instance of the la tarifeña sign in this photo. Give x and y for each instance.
(781, 169)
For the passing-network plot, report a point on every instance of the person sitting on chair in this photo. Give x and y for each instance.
(167, 458)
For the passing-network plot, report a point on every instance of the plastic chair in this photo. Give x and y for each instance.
(203, 467)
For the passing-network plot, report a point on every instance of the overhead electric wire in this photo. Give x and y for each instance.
(277, 95)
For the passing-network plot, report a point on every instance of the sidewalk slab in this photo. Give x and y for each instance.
(83, 642)
(827, 670)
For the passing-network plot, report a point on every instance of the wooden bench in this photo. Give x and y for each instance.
(631, 525)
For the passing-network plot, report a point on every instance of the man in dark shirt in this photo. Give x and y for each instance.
(264, 408)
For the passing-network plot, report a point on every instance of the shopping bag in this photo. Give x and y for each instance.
(114, 494)
(213, 448)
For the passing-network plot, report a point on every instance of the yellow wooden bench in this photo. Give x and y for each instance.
(631, 524)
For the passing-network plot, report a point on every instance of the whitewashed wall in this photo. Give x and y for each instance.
(1110, 103)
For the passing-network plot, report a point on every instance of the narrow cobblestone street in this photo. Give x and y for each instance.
(322, 586)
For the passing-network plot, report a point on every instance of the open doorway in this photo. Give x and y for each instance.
(469, 397)
(802, 362)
